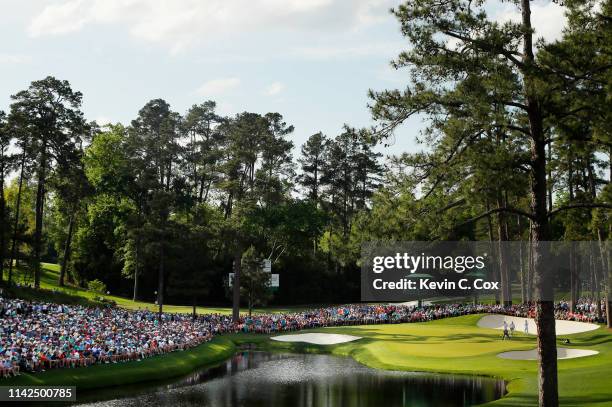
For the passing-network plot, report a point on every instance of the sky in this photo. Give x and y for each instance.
(313, 61)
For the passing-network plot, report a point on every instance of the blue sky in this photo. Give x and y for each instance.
(311, 60)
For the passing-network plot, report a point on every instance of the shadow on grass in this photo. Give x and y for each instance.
(593, 339)
(475, 337)
(532, 400)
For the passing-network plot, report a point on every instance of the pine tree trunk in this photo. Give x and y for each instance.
(503, 257)
(194, 314)
(499, 293)
(160, 282)
(503, 273)
(545, 313)
(205, 199)
(522, 273)
(3, 222)
(596, 281)
(592, 275)
(572, 270)
(530, 265)
(608, 254)
(236, 286)
(17, 212)
(136, 270)
(40, 204)
(67, 246)
(609, 293)
(250, 304)
(549, 180)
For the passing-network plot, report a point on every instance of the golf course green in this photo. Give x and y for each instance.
(453, 345)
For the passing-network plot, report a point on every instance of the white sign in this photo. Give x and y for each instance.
(267, 265)
(230, 279)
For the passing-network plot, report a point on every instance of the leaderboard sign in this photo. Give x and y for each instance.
(266, 266)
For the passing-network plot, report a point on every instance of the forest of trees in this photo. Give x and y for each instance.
(517, 147)
(166, 205)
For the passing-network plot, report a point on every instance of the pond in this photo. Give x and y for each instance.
(264, 379)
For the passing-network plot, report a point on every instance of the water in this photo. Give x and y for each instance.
(263, 379)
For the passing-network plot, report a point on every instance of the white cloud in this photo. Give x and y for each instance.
(275, 88)
(60, 18)
(13, 59)
(181, 23)
(217, 87)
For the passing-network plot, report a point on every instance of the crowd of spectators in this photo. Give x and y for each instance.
(35, 336)
(364, 314)
(585, 310)
(38, 336)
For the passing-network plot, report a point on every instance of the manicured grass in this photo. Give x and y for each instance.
(453, 345)
(458, 346)
(115, 374)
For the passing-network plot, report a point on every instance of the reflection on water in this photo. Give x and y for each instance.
(262, 379)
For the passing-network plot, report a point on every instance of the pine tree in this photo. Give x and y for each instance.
(312, 162)
(51, 111)
(6, 162)
(465, 65)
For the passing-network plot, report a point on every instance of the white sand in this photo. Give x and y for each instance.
(562, 353)
(317, 338)
(562, 327)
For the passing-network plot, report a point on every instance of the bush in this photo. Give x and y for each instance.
(96, 286)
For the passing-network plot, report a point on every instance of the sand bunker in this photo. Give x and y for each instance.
(562, 327)
(317, 338)
(562, 353)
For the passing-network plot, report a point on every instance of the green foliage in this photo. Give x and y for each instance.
(48, 120)
(254, 281)
(167, 202)
(96, 286)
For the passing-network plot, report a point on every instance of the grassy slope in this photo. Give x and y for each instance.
(71, 294)
(50, 276)
(457, 345)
